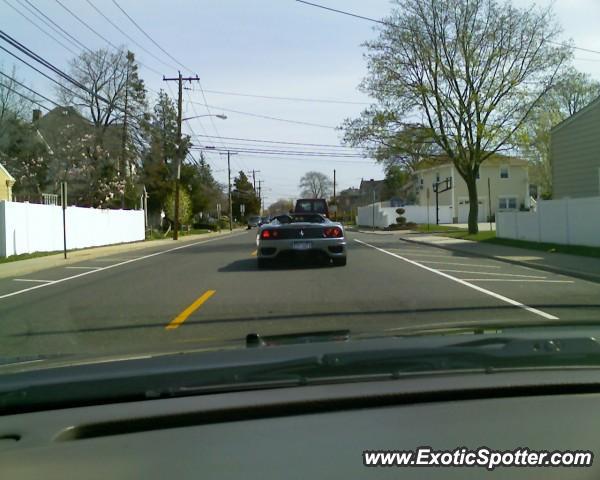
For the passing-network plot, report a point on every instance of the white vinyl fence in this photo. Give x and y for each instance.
(386, 216)
(29, 227)
(574, 221)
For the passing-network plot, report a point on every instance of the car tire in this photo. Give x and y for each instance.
(339, 262)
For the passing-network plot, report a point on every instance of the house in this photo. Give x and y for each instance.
(509, 187)
(347, 201)
(575, 154)
(368, 188)
(6, 183)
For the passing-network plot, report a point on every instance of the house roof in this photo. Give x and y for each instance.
(6, 172)
(590, 106)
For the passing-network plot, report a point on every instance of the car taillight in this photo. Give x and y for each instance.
(334, 232)
(266, 234)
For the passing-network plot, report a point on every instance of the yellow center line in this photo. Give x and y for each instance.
(254, 253)
(179, 319)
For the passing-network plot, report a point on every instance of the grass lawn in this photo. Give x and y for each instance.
(433, 228)
(26, 256)
(490, 237)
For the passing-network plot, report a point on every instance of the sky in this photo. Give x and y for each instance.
(259, 47)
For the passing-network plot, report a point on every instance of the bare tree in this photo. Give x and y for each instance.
(473, 70)
(13, 105)
(315, 185)
(281, 206)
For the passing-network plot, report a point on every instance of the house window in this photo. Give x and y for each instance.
(507, 203)
(504, 171)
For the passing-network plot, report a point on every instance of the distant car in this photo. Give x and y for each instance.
(301, 235)
(263, 221)
(312, 205)
(253, 221)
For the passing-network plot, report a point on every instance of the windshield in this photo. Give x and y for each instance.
(426, 171)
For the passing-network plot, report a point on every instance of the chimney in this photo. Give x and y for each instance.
(36, 115)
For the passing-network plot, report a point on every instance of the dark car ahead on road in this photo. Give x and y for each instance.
(301, 235)
(312, 205)
(254, 221)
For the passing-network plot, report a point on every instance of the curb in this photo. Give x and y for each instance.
(561, 271)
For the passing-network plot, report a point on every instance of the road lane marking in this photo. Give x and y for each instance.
(253, 254)
(515, 280)
(84, 268)
(429, 254)
(179, 319)
(32, 280)
(465, 283)
(492, 273)
(101, 269)
(460, 264)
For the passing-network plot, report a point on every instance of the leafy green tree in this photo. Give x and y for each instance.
(205, 191)
(159, 158)
(473, 70)
(25, 157)
(185, 207)
(573, 91)
(395, 178)
(243, 193)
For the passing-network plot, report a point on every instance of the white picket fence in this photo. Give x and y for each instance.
(386, 216)
(574, 221)
(29, 227)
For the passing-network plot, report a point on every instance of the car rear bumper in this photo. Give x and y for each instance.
(332, 247)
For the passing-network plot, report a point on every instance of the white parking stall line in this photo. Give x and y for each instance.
(465, 283)
(515, 280)
(84, 268)
(32, 280)
(459, 264)
(101, 269)
(410, 254)
(493, 273)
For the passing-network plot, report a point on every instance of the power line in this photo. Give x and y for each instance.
(100, 36)
(22, 48)
(24, 96)
(128, 36)
(149, 37)
(303, 159)
(40, 28)
(30, 89)
(344, 13)
(280, 152)
(291, 99)
(64, 32)
(282, 142)
(267, 117)
(560, 44)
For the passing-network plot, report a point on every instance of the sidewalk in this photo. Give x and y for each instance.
(586, 268)
(23, 267)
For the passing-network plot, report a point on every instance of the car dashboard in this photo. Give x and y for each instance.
(316, 431)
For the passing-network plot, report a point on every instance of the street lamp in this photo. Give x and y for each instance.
(218, 115)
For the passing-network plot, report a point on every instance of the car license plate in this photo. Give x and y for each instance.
(302, 245)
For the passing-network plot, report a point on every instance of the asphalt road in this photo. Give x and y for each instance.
(210, 293)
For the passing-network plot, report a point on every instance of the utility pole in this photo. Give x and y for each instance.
(229, 186)
(124, 133)
(254, 172)
(260, 200)
(180, 81)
